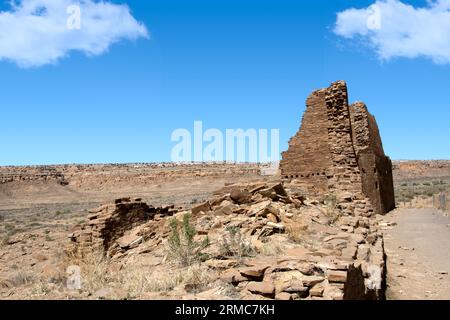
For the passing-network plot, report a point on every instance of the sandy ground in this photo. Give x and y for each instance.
(418, 250)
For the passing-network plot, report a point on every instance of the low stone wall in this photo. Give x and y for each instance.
(110, 222)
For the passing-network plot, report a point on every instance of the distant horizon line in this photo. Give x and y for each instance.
(177, 163)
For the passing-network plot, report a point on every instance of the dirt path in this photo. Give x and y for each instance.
(418, 250)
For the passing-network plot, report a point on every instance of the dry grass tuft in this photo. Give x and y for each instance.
(296, 231)
(137, 278)
(235, 245)
(275, 246)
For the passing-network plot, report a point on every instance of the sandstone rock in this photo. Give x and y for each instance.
(296, 286)
(350, 252)
(221, 264)
(258, 208)
(316, 291)
(258, 188)
(204, 207)
(338, 243)
(254, 272)
(224, 210)
(344, 197)
(240, 196)
(274, 192)
(110, 294)
(279, 227)
(312, 281)
(233, 276)
(289, 215)
(283, 296)
(272, 218)
(130, 241)
(362, 231)
(358, 238)
(337, 276)
(266, 289)
(363, 252)
(218, 200)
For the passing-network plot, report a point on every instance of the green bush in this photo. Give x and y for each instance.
(182, 246)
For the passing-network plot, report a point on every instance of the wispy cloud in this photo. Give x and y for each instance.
(34, 33)
(396, 29)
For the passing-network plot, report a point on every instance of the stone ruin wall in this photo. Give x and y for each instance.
(309, 157)
(338, 148)
(345, 171)
(376, 168)
(109, 222)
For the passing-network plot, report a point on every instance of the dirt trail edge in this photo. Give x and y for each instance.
(417, 244)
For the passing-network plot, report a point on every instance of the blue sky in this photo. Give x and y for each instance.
(231, 64)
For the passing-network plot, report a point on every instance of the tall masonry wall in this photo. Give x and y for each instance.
(338, 147)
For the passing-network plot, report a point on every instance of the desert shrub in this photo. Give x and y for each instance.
(19, 278)
(137, 280)
(94, 270)
(182, 246)
(235, 245)
(197, 277)
(296, 231)
(273, 247)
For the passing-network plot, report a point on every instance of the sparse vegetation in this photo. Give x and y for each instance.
(182, 246)
(296, 231)
(94, 269)
(273, 247)
(197, 277)
(406, 191)
(62, 212)
(235, 245)
(96, 273)
(19, 278)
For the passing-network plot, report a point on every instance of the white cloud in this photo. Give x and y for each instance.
(35, 32)
(396, 29)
